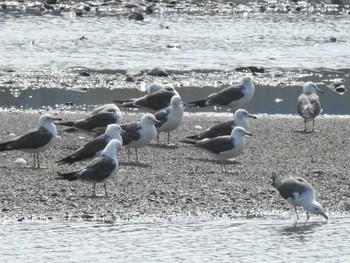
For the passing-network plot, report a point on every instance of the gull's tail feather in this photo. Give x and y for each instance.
(65, 123)
(198, 103)
(68, 160)
(189, 141)
(70, 130)
(195, 137)
(67, 176)
(4, 146)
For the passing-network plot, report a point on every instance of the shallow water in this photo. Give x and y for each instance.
(218, 240)
(204, 41)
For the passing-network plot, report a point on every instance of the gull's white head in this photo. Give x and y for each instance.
(114, 131)
(47, 119)
(242, 114)
(176, 101)
(148, 119)
(239, 132)
(112, 148)
(153, 87)
(310, 88)
(247, 81)
(316, 208)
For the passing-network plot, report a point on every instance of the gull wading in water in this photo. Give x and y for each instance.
(170, 118)
(94, 147)
(139, 134)
(99, 169)
(223, 147)
(156, 99)
(36, 141)
(309, 106)
(225, 128)
(298, 192)
(101, 118)
(230, 97)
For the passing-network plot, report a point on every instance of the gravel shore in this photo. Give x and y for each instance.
(179, 180)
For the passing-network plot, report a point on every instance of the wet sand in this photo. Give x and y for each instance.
(180, 180)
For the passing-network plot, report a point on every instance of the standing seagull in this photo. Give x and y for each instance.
(108, 115)
(223, 147)
(298, 192)
(36, 141)
(170, 118)
(231, 97)
(152, 102)
(139, 134)
(99, 169)
(225, 128)
(94, 147)
(309, 106)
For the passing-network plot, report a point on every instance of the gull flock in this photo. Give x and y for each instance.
(165, 110)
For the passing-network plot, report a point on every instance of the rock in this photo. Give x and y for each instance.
(158, 72)
(136, 16)
(252, 69)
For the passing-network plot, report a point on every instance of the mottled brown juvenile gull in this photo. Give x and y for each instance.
(36, 141)
(223, 147)
(151, 102)
(230, 97)
(108, 115)
(139, 134)
(309, 106)
(99, 169)
(170, 118)
(94, 147)
(298, 192)
(225, 128)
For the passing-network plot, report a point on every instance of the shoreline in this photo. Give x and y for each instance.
(180, 181)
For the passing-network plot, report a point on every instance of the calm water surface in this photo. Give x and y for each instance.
(237, 240)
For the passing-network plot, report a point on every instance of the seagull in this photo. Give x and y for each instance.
(36, 141)
(309, 106)
(139, 134)
(223, 147)
(298, 192)
(225, 128)
(108, 115)
(152, 102)
(99, 169)
(231, 97)
(170, 118)
(94, 147)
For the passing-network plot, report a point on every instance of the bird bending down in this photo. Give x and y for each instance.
(36, 141)
(94, 147)
(298, 192)
(99, 169)
(156, 99)
(139, 134)
(230, 97)
(108, 115)
(170, 118)
(309, 106)
(223, 147)
(225, 128)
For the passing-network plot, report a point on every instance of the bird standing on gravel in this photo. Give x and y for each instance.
(156, 99)
(139, 134)
(309, 106)
(298, 192)
(223, 147)
(230, 97)
(108, 115)
(99, 169)
(225, 128)
(36, 141)
(170, 118)
(94, 147)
